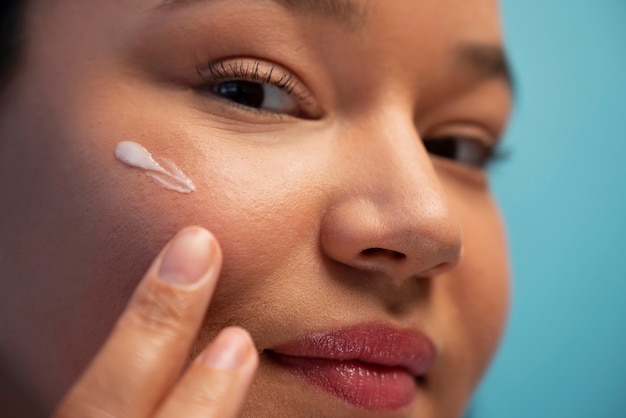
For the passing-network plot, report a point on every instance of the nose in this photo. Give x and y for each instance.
(390, 213)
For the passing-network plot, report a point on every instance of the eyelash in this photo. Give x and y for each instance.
(255, 71)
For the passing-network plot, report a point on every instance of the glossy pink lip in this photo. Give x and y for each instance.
(374, 367)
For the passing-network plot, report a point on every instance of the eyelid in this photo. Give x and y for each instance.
(470, 131)
(257, 70)
(481, 132)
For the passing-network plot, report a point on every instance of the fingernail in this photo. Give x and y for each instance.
(188, 257)
(229, 351)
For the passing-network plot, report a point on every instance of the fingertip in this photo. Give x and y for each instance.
(217, 382)
(233, 349)
(189, 257)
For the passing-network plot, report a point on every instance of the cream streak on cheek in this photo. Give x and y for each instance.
(167, 175)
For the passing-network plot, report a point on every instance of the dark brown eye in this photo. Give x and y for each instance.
(256, 95)
(465, 150)
(246, 93)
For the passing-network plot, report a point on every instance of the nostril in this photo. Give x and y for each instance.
(378, 252)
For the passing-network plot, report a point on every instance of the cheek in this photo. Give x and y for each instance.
(471, 301)
(265, 215)
(479, 291)
(82, 232)
(258, 200)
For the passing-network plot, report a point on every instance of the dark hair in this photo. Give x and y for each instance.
(11, 12)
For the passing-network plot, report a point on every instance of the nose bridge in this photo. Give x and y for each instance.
(407, 190)
(399, 175)
(395, 215)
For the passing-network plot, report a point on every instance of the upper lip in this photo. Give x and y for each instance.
(369, 343)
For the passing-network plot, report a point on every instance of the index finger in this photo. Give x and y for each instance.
(149, 345)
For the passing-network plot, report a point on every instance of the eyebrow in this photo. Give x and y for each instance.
(484, 61)
(346, 12)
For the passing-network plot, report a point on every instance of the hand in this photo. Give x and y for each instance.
(137, 372)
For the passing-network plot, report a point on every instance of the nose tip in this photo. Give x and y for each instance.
(388, 212)
(401, 243)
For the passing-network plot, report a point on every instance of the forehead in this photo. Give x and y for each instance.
(424, 18)
(356, 13)
(347, 11)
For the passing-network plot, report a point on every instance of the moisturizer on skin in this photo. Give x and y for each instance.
(171, 177)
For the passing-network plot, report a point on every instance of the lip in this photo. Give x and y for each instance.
(374, 367)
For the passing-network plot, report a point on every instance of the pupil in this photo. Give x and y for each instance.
(445, 147)
(243, 92)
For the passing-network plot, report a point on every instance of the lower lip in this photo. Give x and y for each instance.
(364, 385)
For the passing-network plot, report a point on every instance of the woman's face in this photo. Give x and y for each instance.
(336, 148)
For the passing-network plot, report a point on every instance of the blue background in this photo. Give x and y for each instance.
(563, 194)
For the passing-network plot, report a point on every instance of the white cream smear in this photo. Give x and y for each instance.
(171, 177)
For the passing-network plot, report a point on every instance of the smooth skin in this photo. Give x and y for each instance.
(331, 206)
